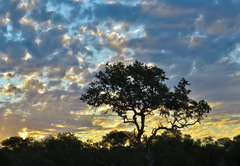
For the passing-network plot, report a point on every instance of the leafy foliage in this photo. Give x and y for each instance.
(17, 142)
(118, 138)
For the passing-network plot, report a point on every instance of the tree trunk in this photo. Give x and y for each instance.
(149, 159)
(147, 154)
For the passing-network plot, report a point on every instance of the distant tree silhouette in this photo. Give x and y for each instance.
(117, 138)
(17, 142)
(136, 92)
(226, 142)
(237, 138)
(171, 148)
(64, 149)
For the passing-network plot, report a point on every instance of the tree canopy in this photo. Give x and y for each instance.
(169, 148)
(16, 142)
(138, 91)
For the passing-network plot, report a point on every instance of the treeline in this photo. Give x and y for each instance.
(118, 148)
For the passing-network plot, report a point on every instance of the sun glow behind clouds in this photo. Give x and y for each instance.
(24, 133)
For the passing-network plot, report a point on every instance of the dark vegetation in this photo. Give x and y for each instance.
(119, 148)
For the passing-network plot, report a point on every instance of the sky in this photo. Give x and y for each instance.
(50, 50)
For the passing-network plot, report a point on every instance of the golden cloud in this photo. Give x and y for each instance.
(10, 89)
(33, 84)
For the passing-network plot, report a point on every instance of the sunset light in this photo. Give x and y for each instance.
(51, 50)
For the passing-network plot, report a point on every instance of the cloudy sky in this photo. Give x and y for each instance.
(51, 49)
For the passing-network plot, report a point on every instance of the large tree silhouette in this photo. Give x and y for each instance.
(138, 91)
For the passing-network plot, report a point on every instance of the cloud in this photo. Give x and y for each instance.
(119, 12)
(54, 83)
(74, 87)
(10, 89)
(41, 14)
(51, 49)
(33, 84)
(8, 75)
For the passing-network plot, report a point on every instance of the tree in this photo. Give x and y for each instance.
(64, 149)
(226, 142)
(237, 138)
(136, 92)
(17, 142)
(4, 157)
(208, 140)
(116, 138)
